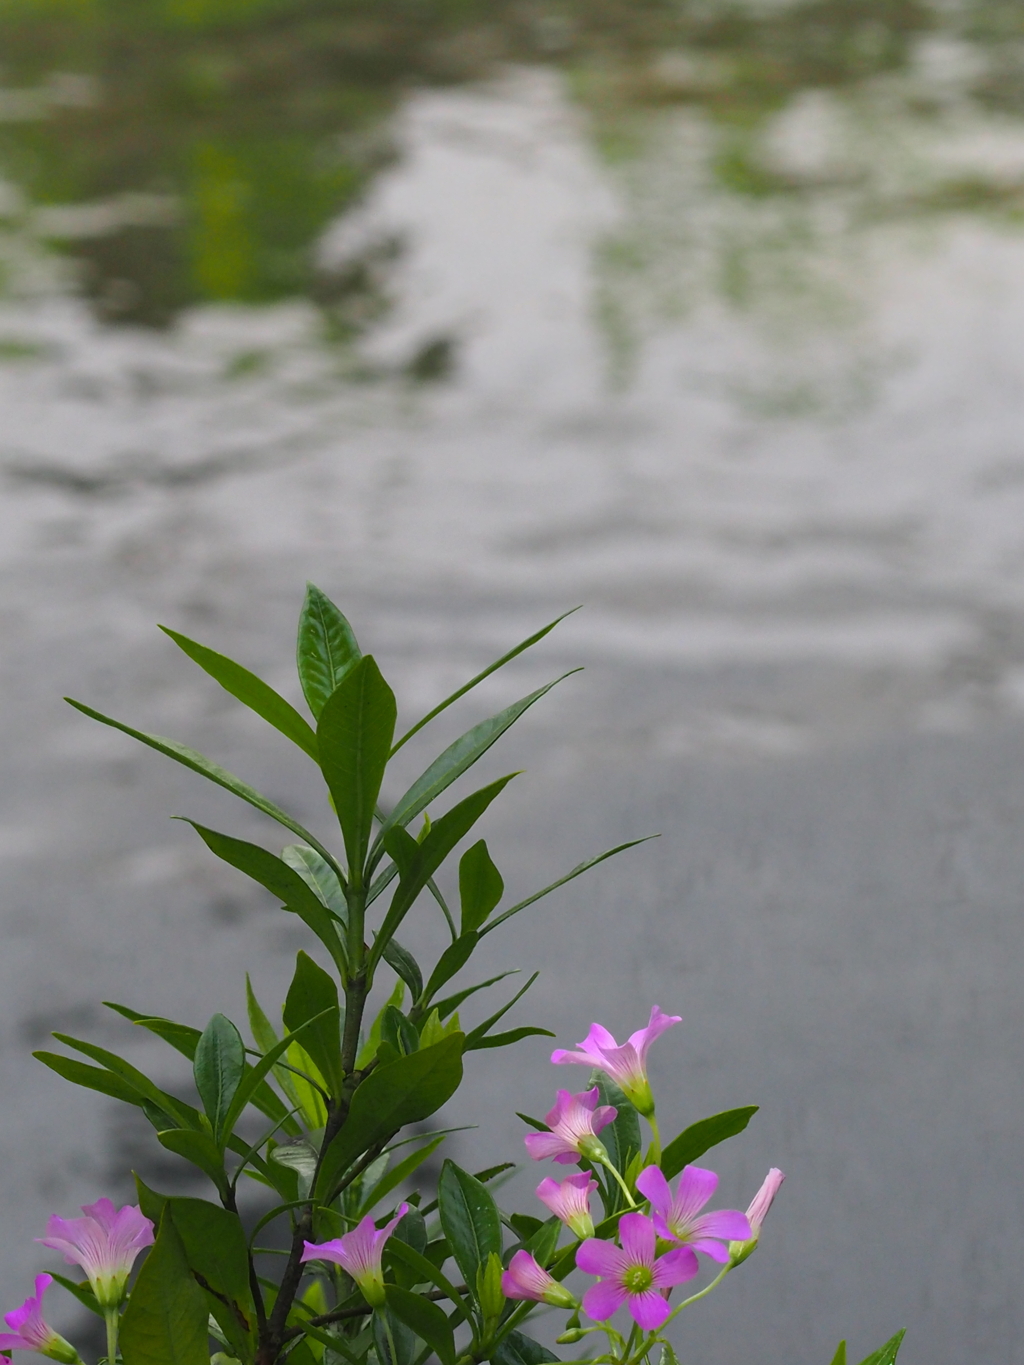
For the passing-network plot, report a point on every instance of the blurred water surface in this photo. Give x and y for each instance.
(709, 317)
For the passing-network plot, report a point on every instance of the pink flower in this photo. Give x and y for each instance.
(626, 1065)
(359, 1253)
(575, 1123)
(30, 1333)
(759, 1206)
(633, 1275)
(526, 1279)
(570, 1201)
(104, 1243)
(679, 1219)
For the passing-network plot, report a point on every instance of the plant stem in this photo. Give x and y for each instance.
(607, 1164)
(111, 1316)
(654, 1151)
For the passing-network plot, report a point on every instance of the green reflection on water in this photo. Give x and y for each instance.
(217, 138)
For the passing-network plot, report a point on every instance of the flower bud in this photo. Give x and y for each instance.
(488, 1288)
(568, 1338)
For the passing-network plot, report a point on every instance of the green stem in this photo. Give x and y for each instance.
(700, 1294)
(111, 1316)
(390, 1337)
(654, 1151)
(607, 1164)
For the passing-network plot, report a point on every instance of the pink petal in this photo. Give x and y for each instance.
(695, 1188)
(637, 1238)
(541, 1145)
(762, 1201)
(652, 1184)
(598, 1039)
(649, 1309)
(561, 1055)
(656, 1026)
(716, 1250)
(10, 1342)
(675, 1267)
(603, 1115)
(103, 1212)
(729, 1224)
(603, 1300)
(596, 1257)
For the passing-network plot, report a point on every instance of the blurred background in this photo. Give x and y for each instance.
(707, 315)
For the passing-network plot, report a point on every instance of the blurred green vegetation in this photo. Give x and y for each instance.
(253, 123)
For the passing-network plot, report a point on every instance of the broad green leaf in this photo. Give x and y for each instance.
(417, 862)
(354, 733)
(397, 1174)
(218, 1066)
(398, 1336)
(217, 1255)
(519, 1349)
(480, 886)
(424, 1267)
(491, 668)
(198, 1148)
(433, 1030)
(429, 1322)
(371, 1043)
(469, 1218)
(452, 960)
(622, 1136)
(452, 1002)
(840, 1356)
(544, 1241)
(252, 1079)
(326, 648)
(401, 961)
(319, 876)
(282, 881)
(887, 1354)
(480, 1032)
(701, 1137)
(514, 1035)
(336, 1343)
(456, 759)
(184, 1039)
(251, 691)
(404, 1091)
(165, 1322)
(399, 1031)
(199, 763)
(569, 876)
(313, 994)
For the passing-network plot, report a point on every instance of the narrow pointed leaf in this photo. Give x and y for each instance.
(279, 879)
(406, 1090)
(491, 668)
(480, 886)
(354, 733)
(198, 1148)
(569, 876)
(199, 763)
(452, 1002)
(251, 691)
(887, 1354)
(326, 648)
(402, 962)
(395, 1249)
(456, 759)
(452, 960)
(318, 875)
(519, 1349)
(135, 1078)
(469, 1218)
(483, 1029)
(313, 994)
(251, 1080)
(429, 1322)
(513, 1035)
(91, 1077)
(81, 1291)
(840, 1356)
(401, 1172)
(701, 1137)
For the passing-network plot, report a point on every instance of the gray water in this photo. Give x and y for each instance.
(775, 449)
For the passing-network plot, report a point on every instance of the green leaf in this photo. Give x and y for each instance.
(199, 763)
(622, 1136)
(480, 886)
(887, 1354)
(253, 1078)
(282, 881)
(400, 960)
(428, 1321)
(251, 691)
(840, 1356)
(182, 1113)
(519, 1349)
(452, 960)
(401, 1172)
(313, 995)
(491, 668)
(319, 876)
(544, 1241)
(469, 1218)
(218, 1066)
(569, 876)
(418, 862)
(198, 1148)
(452, 1002)
(91, 1077)
(701, 1137)
(354, 733)
(475, 1039)
(514, 1035)
(165, 1322)
(397, 1250)
(398, 1336)
(81, 1291)
(326, 649)
(403, 1091)
(456, 759)
(399, 1031)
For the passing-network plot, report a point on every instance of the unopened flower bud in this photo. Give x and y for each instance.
(488, 1285)
(759, 1206)
(568, 1338)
